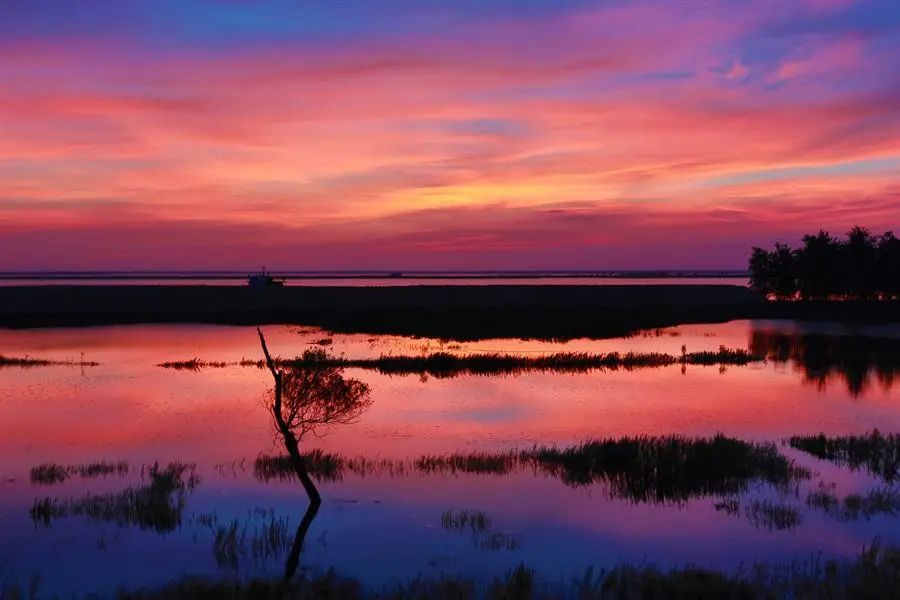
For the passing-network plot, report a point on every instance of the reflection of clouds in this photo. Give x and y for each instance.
(495, 414)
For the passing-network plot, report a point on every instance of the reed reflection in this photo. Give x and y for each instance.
(662, 470)
(157, 505)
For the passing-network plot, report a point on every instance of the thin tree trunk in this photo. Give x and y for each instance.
(290, 440)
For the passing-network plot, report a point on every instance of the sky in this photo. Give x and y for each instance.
(464, 134)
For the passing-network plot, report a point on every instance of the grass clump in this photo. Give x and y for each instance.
(670, 468)
(26, 361)
(771, 516)
(445, 365)
(877, 502)
(876, 453)
(639, 469)
(481, 463)
(156, 506)
(50, 473)
(463, 520)
(321, 465)
(195, 364)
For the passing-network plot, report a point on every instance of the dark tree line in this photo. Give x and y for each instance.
(861, 267)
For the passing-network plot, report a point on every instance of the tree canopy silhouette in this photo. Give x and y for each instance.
(862, 267)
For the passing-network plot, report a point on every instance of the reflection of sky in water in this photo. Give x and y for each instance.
(382, 528)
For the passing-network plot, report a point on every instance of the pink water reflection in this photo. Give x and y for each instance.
(129, 409)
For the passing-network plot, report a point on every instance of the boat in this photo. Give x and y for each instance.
(264, 280)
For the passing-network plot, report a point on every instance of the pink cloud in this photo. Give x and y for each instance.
(427, 148)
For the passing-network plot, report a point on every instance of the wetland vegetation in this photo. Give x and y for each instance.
(444, 364)
(28, 361)
(666, 469)
(876, 453)
(157, 505)
(476, 473)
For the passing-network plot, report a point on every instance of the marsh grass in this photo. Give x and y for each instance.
(771, 516)
(876, 453)
(27, 361)
(321, 465)
(481, 463)
(51, 473)
(729, 506)
(444, 365)
(883, 501)
(195, 364)
(478, 526)
(157, 506)
(670, 469)
(465, 520)
(254, 542)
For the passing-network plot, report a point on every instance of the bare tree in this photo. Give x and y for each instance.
(308, 399)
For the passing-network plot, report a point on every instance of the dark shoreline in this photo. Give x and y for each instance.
(451, 312)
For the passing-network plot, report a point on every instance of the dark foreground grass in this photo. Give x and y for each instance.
(876, 453)
(875, 573)
(669, 469)
(443, 364)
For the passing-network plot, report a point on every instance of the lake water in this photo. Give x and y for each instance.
(386, 515)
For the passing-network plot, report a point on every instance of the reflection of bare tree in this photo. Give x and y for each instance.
(308, 399)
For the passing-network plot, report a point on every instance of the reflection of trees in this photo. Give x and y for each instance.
(856, 359)
(304, 400)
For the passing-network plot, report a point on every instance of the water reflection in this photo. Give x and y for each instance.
(855, 359)
(883, 501)
(655, 470)
(156, 506)
(468, 475)
(874, 452)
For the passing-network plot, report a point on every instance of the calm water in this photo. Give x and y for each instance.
(390, 519)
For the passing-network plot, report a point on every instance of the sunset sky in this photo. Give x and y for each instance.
(466, 134)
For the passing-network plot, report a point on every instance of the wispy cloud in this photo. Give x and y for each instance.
(504, 134)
